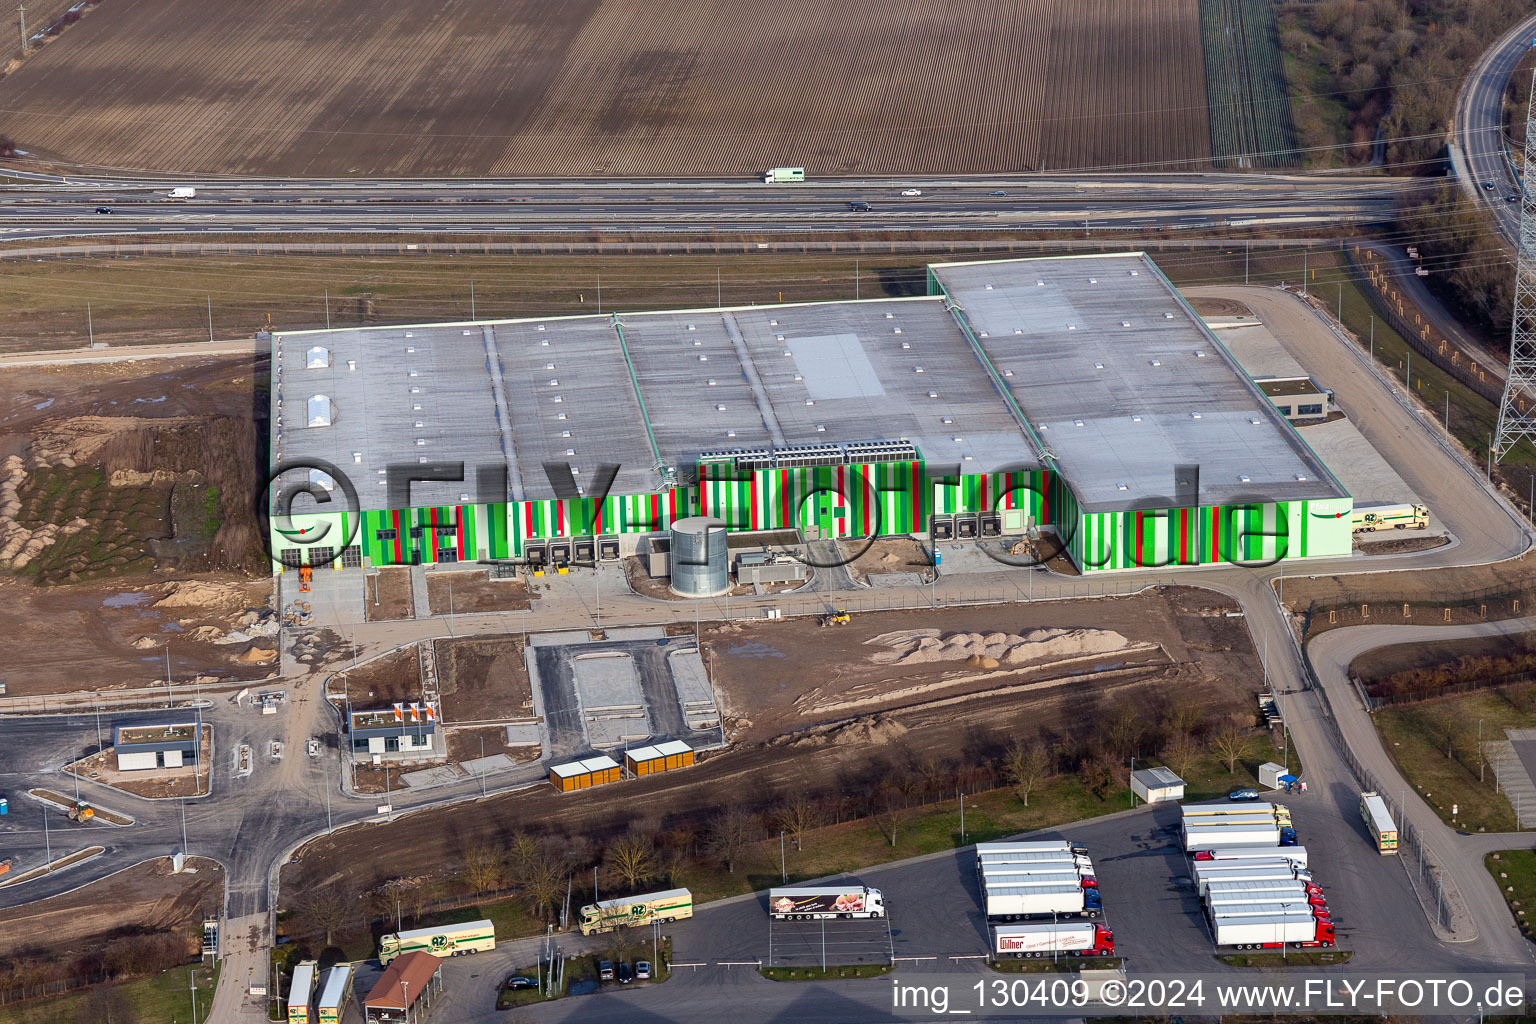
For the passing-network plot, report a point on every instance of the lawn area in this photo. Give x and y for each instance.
(510, 917)
(1418, 736)
(1292, 958)
(1061, 965)
(162, 997)
(990, 815)
(1515, 872)
(830, 974)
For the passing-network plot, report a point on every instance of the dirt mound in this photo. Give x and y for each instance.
(868, 731)
(201, 594)
(926, 646)
(78, 439)
(257, 656)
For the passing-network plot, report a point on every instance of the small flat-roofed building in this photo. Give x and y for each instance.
(1155, 785)
(146, 747)
(1296, 398)
(400, 729)
(408, 986)
(661, 757)
(593, 771)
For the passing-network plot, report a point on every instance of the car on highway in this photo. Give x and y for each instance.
(1243, 794)
(103, 209)
(642, 970)
(1513, 197)
(625, 974)
(911, 191)
(517, 981)
(998, 192)
(605, 970)
(1488, 185)
(860, 206)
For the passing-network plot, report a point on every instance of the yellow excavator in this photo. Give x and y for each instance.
(836, 617)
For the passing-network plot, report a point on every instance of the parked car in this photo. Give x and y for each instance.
(625, 974)
(911, 191)
(516, 981)
(642, 970)
(1243, 794)
(605, 970)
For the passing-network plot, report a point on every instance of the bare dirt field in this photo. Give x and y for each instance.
(385, 680)
(1401, 545)
(468, 744)
(622, 88)
(147, 897)
(1215, 670)
(483, 679)
(473, 592)
(387, 595)
(777, 677)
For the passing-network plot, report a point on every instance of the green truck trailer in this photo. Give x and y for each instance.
(444, 940)
(636, 911)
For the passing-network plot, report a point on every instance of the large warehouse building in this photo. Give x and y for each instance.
(1079, 395)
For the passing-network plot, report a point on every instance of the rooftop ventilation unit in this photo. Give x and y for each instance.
(318, 358)
(351, 364)
(1125, 323)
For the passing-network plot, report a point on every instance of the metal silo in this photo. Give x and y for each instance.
(701, 566)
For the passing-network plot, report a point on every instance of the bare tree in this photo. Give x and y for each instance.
(1122, 729)
(1025, 766)
(327, 909)
(484, 867)
(1232, 741)
(633, 856)
(545, 882)
(1181, 752)
(729, 834)
(522, 852)
(797, 816)
(105, 1004)
(1182, 718)
(891, 815)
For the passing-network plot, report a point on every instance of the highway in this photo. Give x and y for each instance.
(73, 208)
(1479, 153)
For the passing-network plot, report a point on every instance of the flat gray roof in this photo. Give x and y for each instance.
(1125, 385)
(1118, 407)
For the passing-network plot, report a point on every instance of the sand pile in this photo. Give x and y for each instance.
(868, 731)
(200, 594)
(257, 656)
(993, 650)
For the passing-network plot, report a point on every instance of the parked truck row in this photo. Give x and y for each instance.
(1261, 901)
(1050, 883)
(1230, 826)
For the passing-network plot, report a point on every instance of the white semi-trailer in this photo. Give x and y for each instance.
(1295, 854)
(805, 903)
(1255, 835)
(1272, 932)
(1021, 902)
(1065, 939)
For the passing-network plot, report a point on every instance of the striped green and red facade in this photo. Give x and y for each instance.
(854, 500)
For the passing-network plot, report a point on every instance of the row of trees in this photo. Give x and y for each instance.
(129, 956)
(1465, 671)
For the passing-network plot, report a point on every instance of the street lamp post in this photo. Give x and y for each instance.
(783, 866)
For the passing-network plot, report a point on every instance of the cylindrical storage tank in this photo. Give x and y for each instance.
(701, 566)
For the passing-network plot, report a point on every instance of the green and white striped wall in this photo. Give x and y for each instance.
(858, 500)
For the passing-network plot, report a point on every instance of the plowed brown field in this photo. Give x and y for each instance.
(617, 88)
